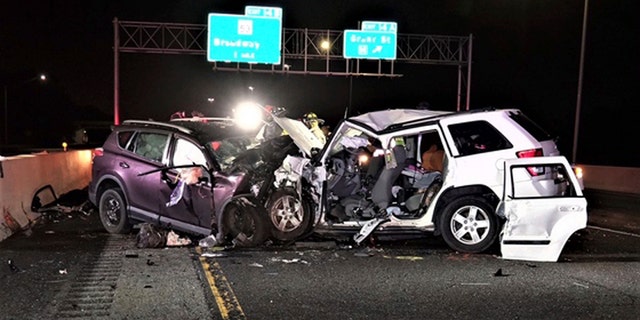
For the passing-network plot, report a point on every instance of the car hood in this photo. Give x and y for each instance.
(299, 133)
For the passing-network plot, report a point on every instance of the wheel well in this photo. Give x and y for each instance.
(106, 185)
(452, 193)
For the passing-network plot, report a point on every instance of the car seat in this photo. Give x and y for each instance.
(381, 192)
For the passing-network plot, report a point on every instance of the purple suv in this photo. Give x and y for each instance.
(179, 175)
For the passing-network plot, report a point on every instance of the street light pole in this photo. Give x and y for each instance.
(580, 71)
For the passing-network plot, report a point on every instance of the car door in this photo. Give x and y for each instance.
(540, 215)
(192, 207)
(147, 153)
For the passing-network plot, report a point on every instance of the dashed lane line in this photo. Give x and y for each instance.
(221, 288)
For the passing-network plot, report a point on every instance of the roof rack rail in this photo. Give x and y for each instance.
(202, 119)
(157, 124)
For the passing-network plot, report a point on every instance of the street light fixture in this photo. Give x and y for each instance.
(42, 77)
(325, 45)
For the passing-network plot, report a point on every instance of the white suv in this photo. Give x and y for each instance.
(501, 180)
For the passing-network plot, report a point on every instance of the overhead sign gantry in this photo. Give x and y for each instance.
(299, 50)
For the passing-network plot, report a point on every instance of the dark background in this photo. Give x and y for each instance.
(525, 55)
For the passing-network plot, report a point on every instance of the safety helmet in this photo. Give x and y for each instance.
(310, 117)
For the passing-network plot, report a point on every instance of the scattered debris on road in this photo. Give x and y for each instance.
(12, 266)
(499, 273)
(289, 261)
(207, 242)
(174, 240)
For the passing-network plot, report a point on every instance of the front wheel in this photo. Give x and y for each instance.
(113, 211)
(290, 216)
(469, 225)
(244, 224)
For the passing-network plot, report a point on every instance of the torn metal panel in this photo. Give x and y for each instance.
(539, 224)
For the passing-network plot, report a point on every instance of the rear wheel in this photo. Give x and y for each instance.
(289, 215)
(468, 224)
(113, 211)
(244, 225)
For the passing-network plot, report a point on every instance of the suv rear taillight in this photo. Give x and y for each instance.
(97, 152)
(533, 171)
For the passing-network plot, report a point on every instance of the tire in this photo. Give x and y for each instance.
(290, 218)
(468, 224)
(244, 225)
(113, 211)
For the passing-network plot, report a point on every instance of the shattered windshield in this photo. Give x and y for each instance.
(348, 138)
(224, 140)
(225, 151)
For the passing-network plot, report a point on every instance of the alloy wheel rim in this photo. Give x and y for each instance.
(470, 225)
(113, 207)
(287, 214)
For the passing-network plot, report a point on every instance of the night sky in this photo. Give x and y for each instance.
(525, 55)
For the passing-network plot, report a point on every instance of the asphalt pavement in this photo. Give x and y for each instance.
(67, 266)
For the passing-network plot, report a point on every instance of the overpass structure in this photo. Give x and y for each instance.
(302, 53)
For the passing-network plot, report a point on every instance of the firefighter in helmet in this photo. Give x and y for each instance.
(312, 122)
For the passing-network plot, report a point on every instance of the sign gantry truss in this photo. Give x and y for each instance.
(302, 52)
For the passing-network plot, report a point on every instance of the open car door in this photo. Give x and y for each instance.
(543, 205)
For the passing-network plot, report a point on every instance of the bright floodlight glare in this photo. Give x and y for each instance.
(248, 115)
(43, 77)
(325, 45)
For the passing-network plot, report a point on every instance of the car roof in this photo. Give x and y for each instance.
(381, 120)
(204, 130)
(397, 119)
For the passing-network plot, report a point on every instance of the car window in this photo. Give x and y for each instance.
(533, 128)
(556, 183)
(149, 145)
(186, 153)
(477, 137)
(123, 138)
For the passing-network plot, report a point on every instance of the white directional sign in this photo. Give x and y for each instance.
(270, 12)
(379, 26)
(255, 37)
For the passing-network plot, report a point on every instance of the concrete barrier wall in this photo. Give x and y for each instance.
(614, 179)
(23, 175)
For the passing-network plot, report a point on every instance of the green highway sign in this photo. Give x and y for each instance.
(254, 38)
(361, 44)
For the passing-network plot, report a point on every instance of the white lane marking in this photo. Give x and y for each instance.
(615, 231)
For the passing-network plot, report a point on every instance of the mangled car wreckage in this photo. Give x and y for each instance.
(476, 178)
